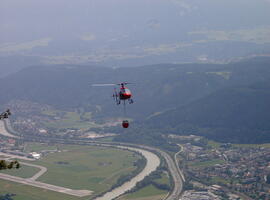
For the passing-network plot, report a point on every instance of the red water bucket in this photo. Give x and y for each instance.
(125, 124)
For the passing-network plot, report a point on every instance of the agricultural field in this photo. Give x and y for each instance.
(37, 147)
(206, 163)
(77, 167)
(213, 144)
(147, 193)
(58, 119)
(164, 179)
(24, 192)
(266, 145)
(62, 119)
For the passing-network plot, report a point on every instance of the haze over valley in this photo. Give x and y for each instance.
(133, 33)
(198, 122)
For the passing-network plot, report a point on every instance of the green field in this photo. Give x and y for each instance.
(23, 172)
(149, 192)
(68, 120)
(79, 167)
(164, 179)
(84, 167)
(213, 144)
(24, 192)
(144, 192)
(206, 163)
(218, 180)
(105, 139)
(37, 147)
(266, 145)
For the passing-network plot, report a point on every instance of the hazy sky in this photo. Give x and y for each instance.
(24, 20)
(111, 24)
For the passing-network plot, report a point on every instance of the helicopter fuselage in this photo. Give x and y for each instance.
(124, 93)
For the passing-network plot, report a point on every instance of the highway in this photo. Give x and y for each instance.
(173, 168)
(177, 179)
(174, 171)
(177, 163)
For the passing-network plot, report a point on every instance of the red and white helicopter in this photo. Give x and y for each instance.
(123, 94)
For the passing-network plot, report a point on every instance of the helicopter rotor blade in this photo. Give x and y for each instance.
(111, 84)
(101, 85)
(125, 83)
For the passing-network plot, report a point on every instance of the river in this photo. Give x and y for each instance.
(152, 163)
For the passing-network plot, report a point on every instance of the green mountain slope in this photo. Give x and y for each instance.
(157, 88)
(238, 114)
(221, 101)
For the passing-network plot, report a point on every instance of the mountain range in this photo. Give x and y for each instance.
(224, 102)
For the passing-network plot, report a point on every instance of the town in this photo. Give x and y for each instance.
(224, 171)
(212, 170)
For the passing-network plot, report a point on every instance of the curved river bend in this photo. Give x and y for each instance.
(152, 163)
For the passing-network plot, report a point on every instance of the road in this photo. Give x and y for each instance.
(152, 163)
(37, 175)
(173, 167)
(3, 130)
(174, 171)
(77, 193)
(32, 181)
(178, 182)
(15, 156)
(177, 163)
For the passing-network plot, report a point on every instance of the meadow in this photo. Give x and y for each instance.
(147, 193)
(24, 192)
(78, 167)
(23, 172)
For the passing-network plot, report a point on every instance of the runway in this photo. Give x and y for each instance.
(31, 182)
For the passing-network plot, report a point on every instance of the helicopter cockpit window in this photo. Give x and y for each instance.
(127, 91)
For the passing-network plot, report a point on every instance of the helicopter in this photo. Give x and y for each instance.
(5, 114)
(123, 95)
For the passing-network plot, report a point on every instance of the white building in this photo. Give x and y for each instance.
(35, 155)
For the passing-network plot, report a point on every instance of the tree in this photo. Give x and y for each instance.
(5, 165)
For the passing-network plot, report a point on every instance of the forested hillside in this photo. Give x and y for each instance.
(235, 114)
(222, 101)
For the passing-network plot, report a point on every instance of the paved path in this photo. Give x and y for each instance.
(32, 181)
(178, 182)
(3, 130)
(10, 156)
(78, 193)
(37, 175)
(175, 171)
(177, 163)
(151, 165)
(177, 179)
